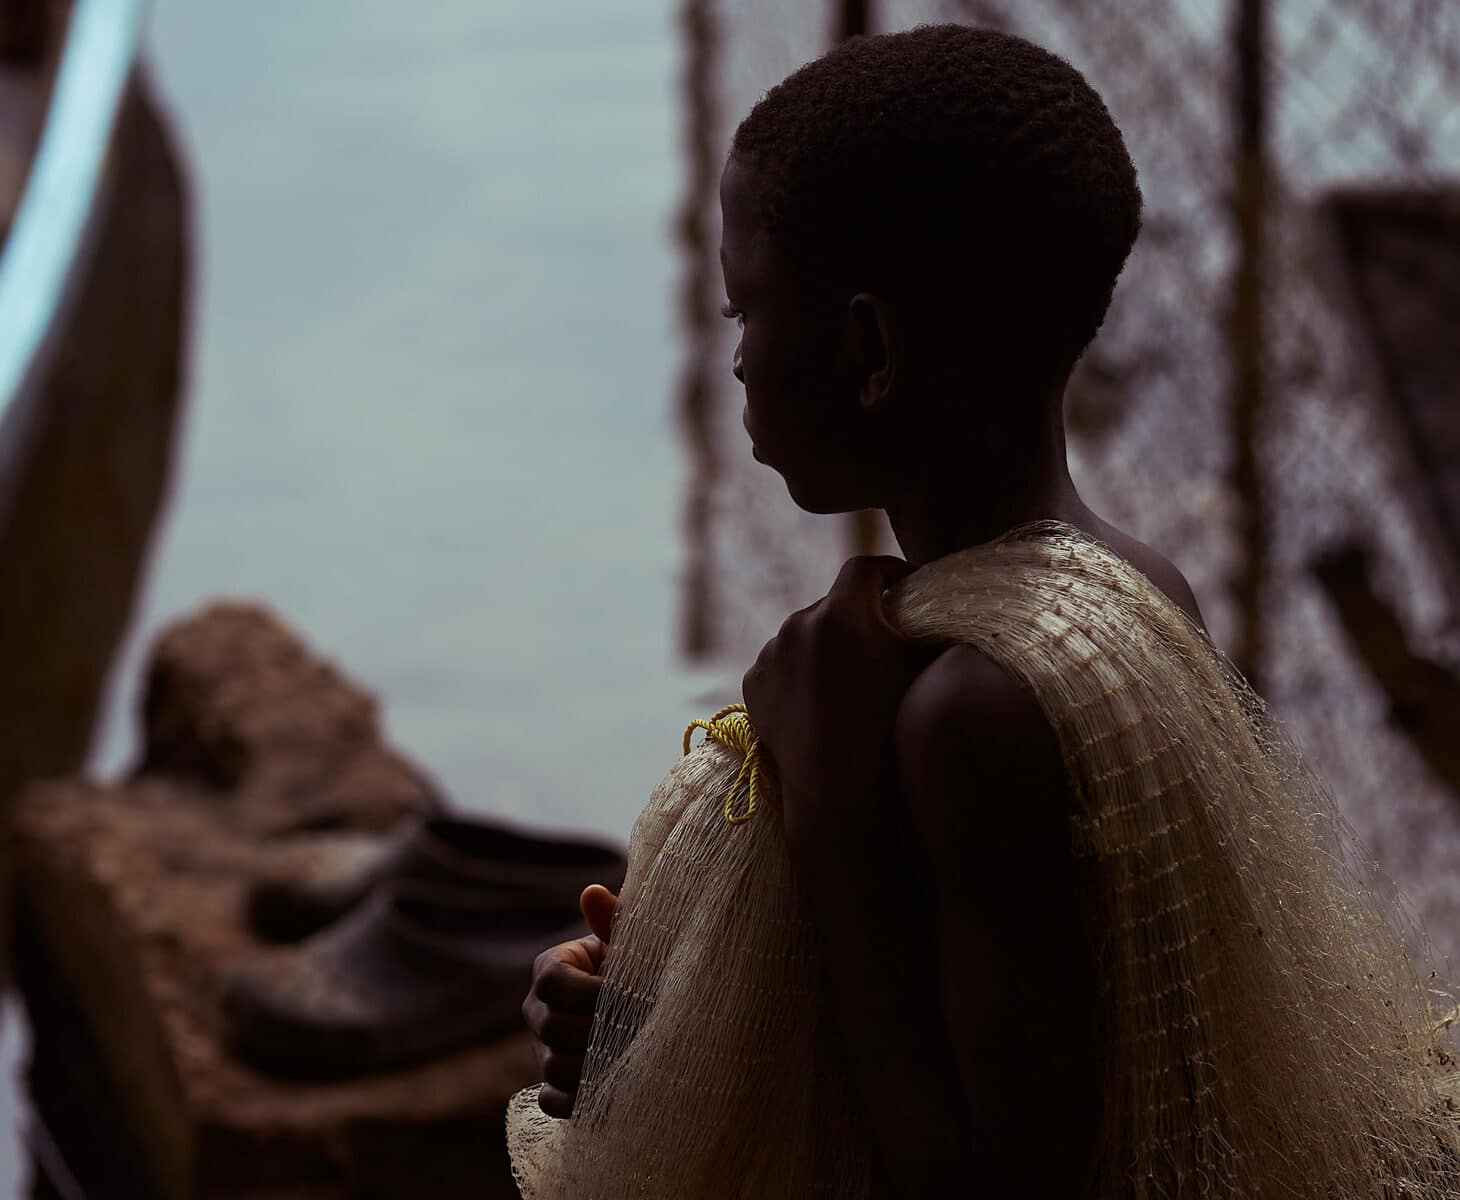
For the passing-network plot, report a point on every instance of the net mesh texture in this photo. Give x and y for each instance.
(1273, 1026)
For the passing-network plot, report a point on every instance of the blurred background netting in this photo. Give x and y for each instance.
(1272, 400)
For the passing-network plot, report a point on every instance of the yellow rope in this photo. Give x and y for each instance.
(731, 727)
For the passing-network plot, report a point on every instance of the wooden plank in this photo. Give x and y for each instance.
(94, 474)
(1401, 251)
(1424, 697)
(131, 910)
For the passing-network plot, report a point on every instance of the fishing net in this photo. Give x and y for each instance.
(1268, 1033)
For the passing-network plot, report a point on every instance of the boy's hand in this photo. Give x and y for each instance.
(559, 1007)
(825, 691)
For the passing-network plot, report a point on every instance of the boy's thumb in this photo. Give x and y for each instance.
(598, 905)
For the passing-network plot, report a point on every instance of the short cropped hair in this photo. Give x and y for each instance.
(967, 172)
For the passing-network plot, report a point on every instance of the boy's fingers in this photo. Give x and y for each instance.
(566, 1033)
(598, 905)
(870, 573)
(581, 954)
(555, 1102)
(562, 985)
(557, 1029)
(862, 581)
(563, 1071)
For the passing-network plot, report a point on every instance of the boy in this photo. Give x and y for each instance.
(921, 235)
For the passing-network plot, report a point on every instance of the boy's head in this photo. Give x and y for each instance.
(919, 228)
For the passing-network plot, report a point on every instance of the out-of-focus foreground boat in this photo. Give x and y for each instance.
(93, 286)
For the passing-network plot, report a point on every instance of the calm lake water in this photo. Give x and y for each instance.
(432, 359)
(431, 381)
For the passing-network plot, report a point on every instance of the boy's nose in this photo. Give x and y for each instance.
(735, 367)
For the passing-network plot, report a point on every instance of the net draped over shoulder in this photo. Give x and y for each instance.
(1273, 1027)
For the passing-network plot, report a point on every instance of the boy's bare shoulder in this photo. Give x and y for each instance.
(1154, 566)
(965, 696)
(967, 728)
(967, 722)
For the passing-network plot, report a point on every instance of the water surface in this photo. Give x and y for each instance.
(431, 369)
(433, 356)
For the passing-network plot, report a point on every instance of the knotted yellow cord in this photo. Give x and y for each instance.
(731, 727)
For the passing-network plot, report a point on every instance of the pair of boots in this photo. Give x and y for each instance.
(413, 946)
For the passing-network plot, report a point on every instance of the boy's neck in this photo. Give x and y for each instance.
(963, 502)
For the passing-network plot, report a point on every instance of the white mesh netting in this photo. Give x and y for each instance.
(1267, 1030)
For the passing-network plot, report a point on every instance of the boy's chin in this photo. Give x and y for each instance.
(819, 501)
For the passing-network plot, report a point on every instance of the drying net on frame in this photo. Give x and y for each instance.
(1151, 424)
(1268, 1034)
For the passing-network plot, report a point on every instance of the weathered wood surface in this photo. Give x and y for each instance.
(32, 34)
(78, 508)
(131, 901)
(1423, 695)
(1401, 252)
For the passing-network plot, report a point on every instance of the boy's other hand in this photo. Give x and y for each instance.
(559, 1006)
(825, 692)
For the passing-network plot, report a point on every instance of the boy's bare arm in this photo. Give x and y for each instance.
(986, 794)
(965, 1004)
(880, 975)
(824, 696)
(927, 816)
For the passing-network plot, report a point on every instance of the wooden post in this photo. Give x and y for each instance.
(852, 18)
(1246, 331)
(700, 317)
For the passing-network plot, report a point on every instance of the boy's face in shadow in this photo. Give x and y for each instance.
(801, 408)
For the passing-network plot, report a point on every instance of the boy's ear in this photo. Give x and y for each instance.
(874, 348)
